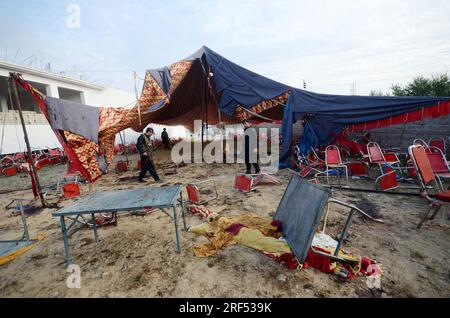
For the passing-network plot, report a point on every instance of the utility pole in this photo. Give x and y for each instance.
(353, 89)
(27, 142)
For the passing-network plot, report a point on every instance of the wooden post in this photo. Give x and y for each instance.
(27, 142)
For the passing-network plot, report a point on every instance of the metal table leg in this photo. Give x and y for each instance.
(94, 224)
(344, 232)
(176, 227)
(182, 211)
(26, 234)
(66, 242)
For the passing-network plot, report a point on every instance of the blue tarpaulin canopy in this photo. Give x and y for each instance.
(234, 86)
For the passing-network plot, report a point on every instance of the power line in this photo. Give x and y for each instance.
(362, 61)
(357, 48)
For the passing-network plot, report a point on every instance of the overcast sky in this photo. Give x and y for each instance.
(339, 47)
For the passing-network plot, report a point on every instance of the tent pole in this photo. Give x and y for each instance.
(204, 117)
(123, 143)
(27, 141)
(206, 107)
(203, 132)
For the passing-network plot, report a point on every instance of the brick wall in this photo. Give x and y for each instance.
(30, 117)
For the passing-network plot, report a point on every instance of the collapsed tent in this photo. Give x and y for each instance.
(206, 86)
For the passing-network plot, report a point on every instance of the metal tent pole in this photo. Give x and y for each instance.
(123, 143)
(27, 142)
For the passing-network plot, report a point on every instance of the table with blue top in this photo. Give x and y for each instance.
(122, 201)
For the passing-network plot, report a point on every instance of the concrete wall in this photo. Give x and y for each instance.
(93, 95)
(40, 133)
(402, 136)
(41, 137)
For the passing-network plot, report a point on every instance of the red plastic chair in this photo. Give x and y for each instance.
(426, 177)
(333, 160)
(357, 168)
(132, 147)
(193, 192)
(10, 171)
(243, 183)
(378, 157)
(54, 152)
(438, 142)
(71, 190)
(422, 143)
(305, 171)
(19, 157)
(7, 161)
(119, 149)
(439, 164)
(391, 158)
(121, 166)
(387, 181)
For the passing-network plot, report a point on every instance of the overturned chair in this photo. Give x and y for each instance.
(195, 189)
(426, 178)
(300, 211)
(248, 182)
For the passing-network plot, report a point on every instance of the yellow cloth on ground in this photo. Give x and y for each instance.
(255, 239)
(8, 258)
(259, 234)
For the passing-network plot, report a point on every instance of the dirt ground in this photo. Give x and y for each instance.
(138, 258)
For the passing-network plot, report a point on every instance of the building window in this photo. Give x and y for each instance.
(69, 94)
(26, 100)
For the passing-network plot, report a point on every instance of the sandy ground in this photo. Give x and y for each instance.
(138, 258)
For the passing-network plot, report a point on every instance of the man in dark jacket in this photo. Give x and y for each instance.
(145, 148)
(165, 139)
(249, 147)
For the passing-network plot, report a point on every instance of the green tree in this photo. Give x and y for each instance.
(438, 85)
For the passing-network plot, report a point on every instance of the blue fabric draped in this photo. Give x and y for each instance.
(235, 84)
(328, 115)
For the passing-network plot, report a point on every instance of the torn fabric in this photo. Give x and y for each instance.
(70, 116)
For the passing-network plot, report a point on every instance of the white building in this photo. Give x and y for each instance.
(54, 85)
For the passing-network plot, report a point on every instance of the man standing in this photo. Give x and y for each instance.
(145, 148)
(250, 146)
(165, 139)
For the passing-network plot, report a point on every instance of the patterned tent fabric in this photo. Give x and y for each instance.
(80, 151)
(193, 93)
(86, 151)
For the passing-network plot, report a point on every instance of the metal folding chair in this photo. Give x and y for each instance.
(438, 142)
(427, 177)
(333, 160)
(378, 157)
(387, 181)
(300, 211)
(422, 143)
(439, 165)
(194, 192)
